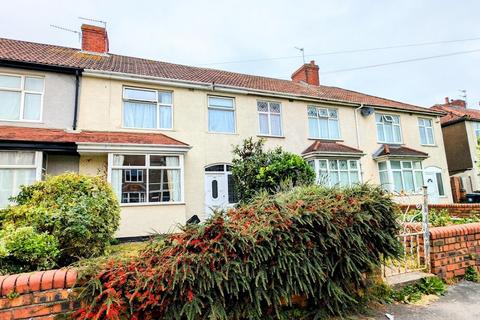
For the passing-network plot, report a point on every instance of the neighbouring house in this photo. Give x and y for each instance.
(162, 133)
(461, 130)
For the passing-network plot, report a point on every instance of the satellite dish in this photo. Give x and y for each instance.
(366, 111)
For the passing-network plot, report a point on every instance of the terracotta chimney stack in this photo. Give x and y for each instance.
(94, 39)
(307, 73)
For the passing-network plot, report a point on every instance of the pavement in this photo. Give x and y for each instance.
(460, 302)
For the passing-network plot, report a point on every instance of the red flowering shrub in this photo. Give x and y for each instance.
(314, 242)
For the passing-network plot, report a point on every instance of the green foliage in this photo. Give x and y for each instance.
(76, 214)
(441, 218)
(471, 274)
(255, 170)
(314, 242)
(414, 292)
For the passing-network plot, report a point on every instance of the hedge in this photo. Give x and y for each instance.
(313, 242)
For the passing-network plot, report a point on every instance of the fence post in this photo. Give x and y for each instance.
(426, 231)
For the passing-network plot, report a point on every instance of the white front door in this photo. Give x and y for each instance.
(433, 180)
(216, 192)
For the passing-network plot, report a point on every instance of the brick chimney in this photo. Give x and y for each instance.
(94, 39)
(459, 103)
(307, 73)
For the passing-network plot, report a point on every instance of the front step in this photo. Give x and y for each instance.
(404, 279)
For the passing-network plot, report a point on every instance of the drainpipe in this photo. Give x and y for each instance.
(75, 110)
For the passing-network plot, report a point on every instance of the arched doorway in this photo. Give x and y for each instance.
(219, 187)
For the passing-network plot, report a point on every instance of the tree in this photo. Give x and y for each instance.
(255, 170)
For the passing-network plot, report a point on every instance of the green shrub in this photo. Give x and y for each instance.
(24, 249)
(314, 242)
(471, 274)
(414, 292)
(81, 213)
(255, 170)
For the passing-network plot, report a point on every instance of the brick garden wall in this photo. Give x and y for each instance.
(454, 248)
(461, 210)
(37, 295)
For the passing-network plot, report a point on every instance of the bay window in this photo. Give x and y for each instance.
(425, 127)
(401, 175)
(221, 114)
(336, 172)
(151, 178)
(17, 168)
(269, 118)
(21, 97)
(388, 128)
(323, 123)
(147, 109)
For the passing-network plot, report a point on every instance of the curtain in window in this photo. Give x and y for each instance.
(116, 182)
(10, 105)
(263, 120)
(313, 127)
(173, 179)
(334, 132)
(11, 180)
(165, 117)
(32, 106)
(275, 124)
(140, 115)
(221, 121)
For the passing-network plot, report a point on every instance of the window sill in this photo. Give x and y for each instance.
(26, 121)
(429, 145)
(391, 143)
(270, 136)
(225, 133)
(326, 139)
(147, 129)
(150, 204)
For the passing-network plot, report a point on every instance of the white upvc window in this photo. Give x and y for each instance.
(221, 114)
(323, 123)
(388, 128)
(425, 127)
(147, 108)
(401, 175)
(336, 172)
(21, 97)
(18, 168)
(269, 118)
(147, 178)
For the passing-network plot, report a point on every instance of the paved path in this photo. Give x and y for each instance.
(461, 302)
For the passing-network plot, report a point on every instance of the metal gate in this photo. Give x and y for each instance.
(414, 237)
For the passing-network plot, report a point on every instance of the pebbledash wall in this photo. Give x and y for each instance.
(38, 295)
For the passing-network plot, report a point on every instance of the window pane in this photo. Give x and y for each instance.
(395, 164)
(397, 181)
(13, 82)
(313, 128)
(441, 191)
(423, 135)
(322, 164)
(354, 177)
(262, 106)
(343, 164)
(274, 107)
(10, 105)
(232, 194)
(221, 121)
(217, 167)
(220, 102)
(380, 133)
(32, 106)
(397, 134)
(165, 97)
(388, 132)
(165, 117)
(430, 136)
(417, 165)
(128, 160)
(34, 84)
(11, 180)
(275, 125)
(334, 179)
(164, 185)
(214, 189)
(312, 112)
(334, 132)
(382, 166)
(353, 164)
(407, 164)
(344, 178)
(419, 179)
(140, 115)
(333, 164)
(263, 122)
(408, 176)
(323, 125)
(17, 158)
(138, 94)
(163, 161)
(384, 179)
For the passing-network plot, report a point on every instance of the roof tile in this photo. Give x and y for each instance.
(320, 146)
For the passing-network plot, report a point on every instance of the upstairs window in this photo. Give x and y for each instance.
(147, 109)
(221, 114)
(21, 97)
(269, 118)
(388, 128)
(323, 123)
(426, 131)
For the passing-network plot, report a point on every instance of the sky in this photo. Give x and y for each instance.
(204, 33)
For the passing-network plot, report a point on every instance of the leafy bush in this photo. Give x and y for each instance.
(471, 274)
(313, 242)
(414, 292)
(255, 170)
(78, 214)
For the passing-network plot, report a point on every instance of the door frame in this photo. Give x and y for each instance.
(225, 173)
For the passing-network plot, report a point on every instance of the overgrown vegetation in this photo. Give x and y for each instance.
(314, 242)
(441, 218)
(414, 292)
(471, 274)
(256, 170)
(56, 222)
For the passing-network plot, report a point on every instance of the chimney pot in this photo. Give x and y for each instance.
(94, 39)
(307, 73)
(447, 100)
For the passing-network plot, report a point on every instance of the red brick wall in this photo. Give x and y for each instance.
(454, 248)
(37, 295)
(461, 210)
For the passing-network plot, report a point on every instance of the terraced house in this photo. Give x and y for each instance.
(162, 133)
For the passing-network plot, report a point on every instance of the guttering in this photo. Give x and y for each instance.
(332, 154)
(89, 147)
(37, 66)
(232, 89)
